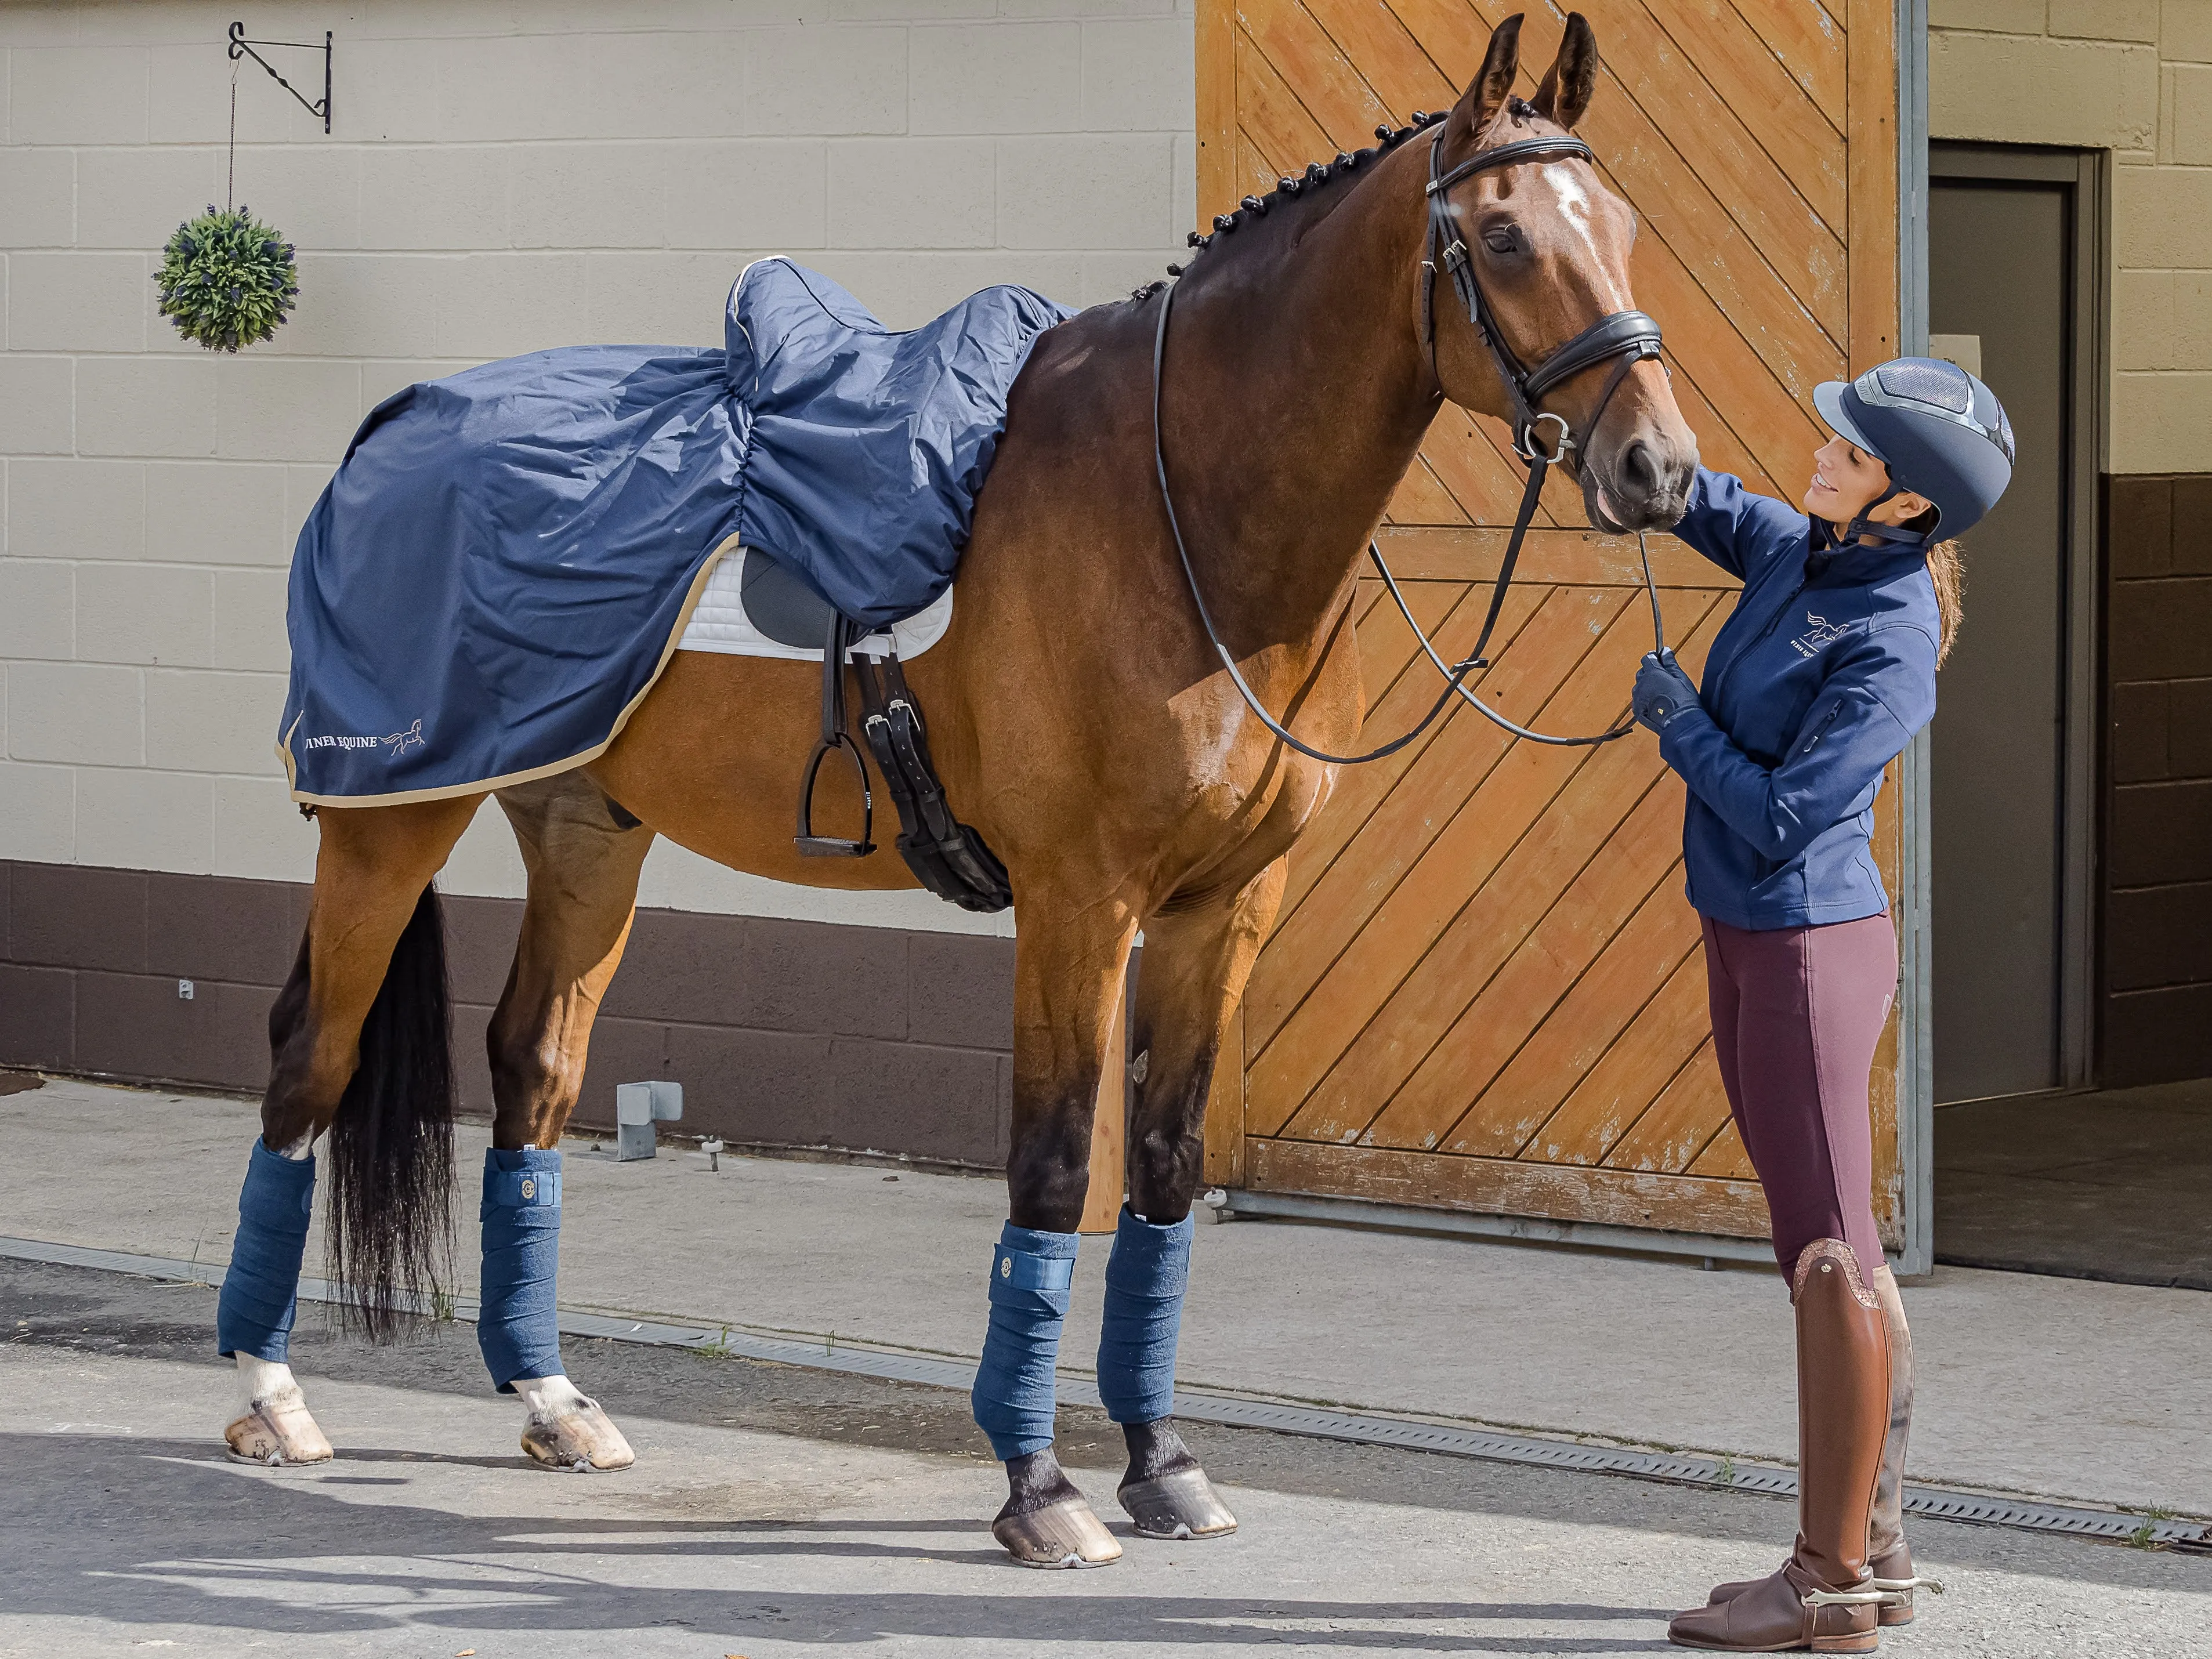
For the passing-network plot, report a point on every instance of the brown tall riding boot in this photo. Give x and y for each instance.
(1887, 1557)
(1824, 1598)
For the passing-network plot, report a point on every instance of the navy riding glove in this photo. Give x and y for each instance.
(1662, 691)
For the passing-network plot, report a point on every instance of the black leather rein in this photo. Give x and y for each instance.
(1622, 338)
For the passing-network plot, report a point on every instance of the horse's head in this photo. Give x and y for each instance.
(1548, 250)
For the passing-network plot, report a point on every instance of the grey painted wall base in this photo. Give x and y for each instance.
(805, 1035)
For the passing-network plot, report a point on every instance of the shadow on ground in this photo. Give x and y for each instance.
(170, 1534)
(167, 1531)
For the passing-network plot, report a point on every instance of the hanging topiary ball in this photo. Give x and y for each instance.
(227, 279)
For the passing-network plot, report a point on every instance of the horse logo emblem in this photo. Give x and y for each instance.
(529, 1188)
(1808, 644)
(400, 742)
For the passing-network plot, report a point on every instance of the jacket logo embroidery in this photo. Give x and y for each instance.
(400, 742)
(1822, 631)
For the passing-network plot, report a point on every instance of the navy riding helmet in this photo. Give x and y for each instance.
(1941, 433)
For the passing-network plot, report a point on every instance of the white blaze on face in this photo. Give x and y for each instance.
(1579, 211)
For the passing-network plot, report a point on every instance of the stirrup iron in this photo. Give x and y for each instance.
(834, 736)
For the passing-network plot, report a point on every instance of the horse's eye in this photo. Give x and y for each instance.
(1506, 240)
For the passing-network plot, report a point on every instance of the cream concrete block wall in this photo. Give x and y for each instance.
(504, 175)
(2134, 77)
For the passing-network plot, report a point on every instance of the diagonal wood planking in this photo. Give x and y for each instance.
(1484, 962)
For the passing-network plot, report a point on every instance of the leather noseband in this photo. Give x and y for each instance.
(1624, 338)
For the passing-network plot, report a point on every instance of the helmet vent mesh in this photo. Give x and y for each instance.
(1941, 385)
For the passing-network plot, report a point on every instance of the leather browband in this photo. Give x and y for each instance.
(1561, 145)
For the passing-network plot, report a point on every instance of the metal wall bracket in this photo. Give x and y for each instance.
(638, 1107)
(242, 47)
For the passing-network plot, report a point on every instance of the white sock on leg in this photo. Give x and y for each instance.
(261, 1379)
(547, 1397)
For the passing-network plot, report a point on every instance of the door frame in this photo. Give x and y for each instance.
(2083, 172)
(1916, 1012)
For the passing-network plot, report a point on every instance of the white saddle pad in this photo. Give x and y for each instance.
(718, 624)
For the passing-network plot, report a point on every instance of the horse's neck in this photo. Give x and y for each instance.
(1319, 393)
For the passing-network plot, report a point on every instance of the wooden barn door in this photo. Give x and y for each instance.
(1486, 991)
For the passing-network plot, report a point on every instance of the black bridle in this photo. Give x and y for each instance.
(1622, 338)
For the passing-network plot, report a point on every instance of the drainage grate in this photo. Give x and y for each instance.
(1203, 1405)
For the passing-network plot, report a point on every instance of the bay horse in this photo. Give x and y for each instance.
(1081, 723)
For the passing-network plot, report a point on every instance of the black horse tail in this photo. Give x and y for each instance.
(391, 1143)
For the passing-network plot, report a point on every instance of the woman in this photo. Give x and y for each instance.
(1819, 678)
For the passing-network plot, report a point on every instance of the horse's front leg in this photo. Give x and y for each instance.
(1069, 970)
(583, 867)
(1197, 959)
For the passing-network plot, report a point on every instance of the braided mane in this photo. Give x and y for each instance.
(1292, 188)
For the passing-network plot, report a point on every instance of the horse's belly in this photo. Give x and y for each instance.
(714, 758)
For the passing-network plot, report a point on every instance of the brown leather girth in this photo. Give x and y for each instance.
(947, 857)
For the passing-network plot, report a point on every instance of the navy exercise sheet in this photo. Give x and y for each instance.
(505, 558)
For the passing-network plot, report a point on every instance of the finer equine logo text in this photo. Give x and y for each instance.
(398, 742)
(1823, 631)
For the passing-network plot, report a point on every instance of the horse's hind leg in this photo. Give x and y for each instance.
(1197, 958)
(1068, 968)
(372, 918)
(583, 857)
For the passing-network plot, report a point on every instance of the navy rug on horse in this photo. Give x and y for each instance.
(507, 557)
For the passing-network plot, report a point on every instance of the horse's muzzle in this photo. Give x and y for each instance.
(1646, 487)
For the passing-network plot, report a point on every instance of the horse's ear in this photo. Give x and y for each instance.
(1565, 95)
(1486, 94)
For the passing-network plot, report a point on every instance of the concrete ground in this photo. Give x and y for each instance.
(776, 1510)
(2113, 1185)
(2057, 1388)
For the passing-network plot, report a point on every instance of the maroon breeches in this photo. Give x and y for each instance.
(1796, 1014)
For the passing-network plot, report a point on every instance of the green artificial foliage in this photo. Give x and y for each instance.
(227, 279)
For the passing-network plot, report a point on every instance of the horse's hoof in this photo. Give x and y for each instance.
(1181, 1505)
(579, 1438)
(277, 1430)
(1062, 1534)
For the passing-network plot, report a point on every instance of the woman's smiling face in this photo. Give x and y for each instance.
(1845, 478)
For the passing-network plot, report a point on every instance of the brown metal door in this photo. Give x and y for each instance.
(1486, 991)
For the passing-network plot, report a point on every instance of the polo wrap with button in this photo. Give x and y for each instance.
(1145, 1277)
(1031, 1272)
(519, 1325)
(261, 1288)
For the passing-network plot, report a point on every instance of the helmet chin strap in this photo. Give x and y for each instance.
(1826, 538)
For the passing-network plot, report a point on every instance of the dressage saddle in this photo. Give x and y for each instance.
(947, 857)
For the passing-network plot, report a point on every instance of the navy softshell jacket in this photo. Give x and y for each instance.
(1813, 686)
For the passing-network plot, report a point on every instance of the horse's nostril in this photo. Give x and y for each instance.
(1639, 468)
